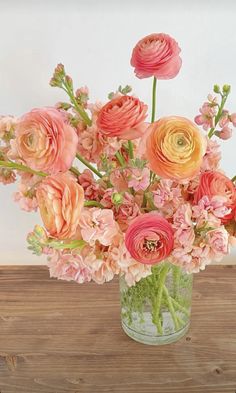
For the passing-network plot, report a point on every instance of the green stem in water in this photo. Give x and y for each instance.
(78, 108)
(157, 305)
(88, 165)
(93, 204)
(131, 149)
(171, 307)
(180, 307)
(20, 167)
(176, 280)
(219, 113)
(154, 89)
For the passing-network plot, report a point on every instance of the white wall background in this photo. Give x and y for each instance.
(94, 39)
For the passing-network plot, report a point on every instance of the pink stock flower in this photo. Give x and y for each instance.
(225, 133)
(215, 183)
(123, 117)
(139, 179)
(98, 224)
(218, 241)
(183, 217)
(167, 196)
(60, 199)
(212, 157)
(45, 141)
(92, 190)
(7, 124)
(208, 112)
(149, 238)
(26, 194)
(90, 144)
(120, 178)
(233, 119)
(126, 211)
(69, 267)
(7, 176)
(132, 270)
(224, 119)
(156, 55)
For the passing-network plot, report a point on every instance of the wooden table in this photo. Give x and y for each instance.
(59, 337)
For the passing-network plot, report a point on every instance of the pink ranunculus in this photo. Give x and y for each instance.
(60, 199)
(98, 224)
(45, 141)
(149, 238)
(123, 117)
(156, 55)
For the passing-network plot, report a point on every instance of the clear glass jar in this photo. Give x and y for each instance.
(156, 310)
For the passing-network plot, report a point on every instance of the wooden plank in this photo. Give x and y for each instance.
(59, 337)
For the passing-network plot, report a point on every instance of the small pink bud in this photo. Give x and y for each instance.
(225, 133)
(233, 119)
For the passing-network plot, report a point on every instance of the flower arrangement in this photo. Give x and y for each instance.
(151, 191)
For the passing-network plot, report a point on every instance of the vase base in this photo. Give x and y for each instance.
(155, 340)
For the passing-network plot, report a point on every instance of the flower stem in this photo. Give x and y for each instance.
(176, 279)
(180, 307)
(233, 179)
(171, 307)
(20, 167)
(219, 113)
(78, 107)
(120, 158)
(154, 88)
(157, 305)
(75, 171)
(93, 204)
(88, 165)
(131, 149)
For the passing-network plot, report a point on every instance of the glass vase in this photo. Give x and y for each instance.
(156, 310)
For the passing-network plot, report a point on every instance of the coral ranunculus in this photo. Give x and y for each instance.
(213, 183)
(149, 238)
(60, 199)
(156, 55)
(45, 141)
(123, 117)
(175, 148)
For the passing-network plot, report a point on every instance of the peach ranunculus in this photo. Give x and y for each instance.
(213, 183)
(149, 238)
(156, 55)
(45, 141)
(175, 148)
(60, 199)
(123, 117)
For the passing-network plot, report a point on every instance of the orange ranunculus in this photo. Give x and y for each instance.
(175, 148)
(60, 199)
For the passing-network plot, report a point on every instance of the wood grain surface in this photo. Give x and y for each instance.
(59, 337)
